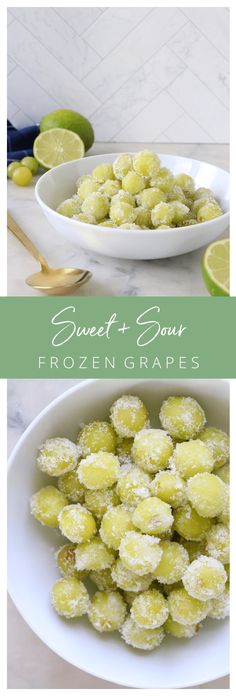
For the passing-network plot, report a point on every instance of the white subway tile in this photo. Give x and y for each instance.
(202, 105)
(79, 18)
(186, 130)
(112, 26)
(151, 121)
(47, 72)
(203, 59)
(145, 40)
(213, 22)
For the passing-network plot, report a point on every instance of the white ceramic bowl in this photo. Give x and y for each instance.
(59, 183)
(32, 572)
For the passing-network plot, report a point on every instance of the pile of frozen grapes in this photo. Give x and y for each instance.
(145, 513)
(137, 193)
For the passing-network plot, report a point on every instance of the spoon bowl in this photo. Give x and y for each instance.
(58, 281)
(53, 281)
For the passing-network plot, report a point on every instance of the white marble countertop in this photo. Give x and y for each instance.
(180, 276)
(31, 664)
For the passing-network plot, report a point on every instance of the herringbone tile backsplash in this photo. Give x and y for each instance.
(140, 74)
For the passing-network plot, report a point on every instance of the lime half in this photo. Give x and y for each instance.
(215, 268)
(57, 146)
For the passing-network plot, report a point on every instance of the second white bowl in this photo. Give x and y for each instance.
(32, 571)
(59, 183)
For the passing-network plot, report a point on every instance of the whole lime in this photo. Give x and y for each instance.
(70, 120)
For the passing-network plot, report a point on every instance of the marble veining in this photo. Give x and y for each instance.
(31, 664)
(177, 276)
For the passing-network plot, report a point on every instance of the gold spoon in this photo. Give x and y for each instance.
(54, 281)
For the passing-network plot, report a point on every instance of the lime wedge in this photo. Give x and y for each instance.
(57, 146)
(215, 268)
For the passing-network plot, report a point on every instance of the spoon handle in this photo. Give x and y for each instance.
(18, 232)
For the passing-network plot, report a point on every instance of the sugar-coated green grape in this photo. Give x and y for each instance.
(95, 437)
(205, 578)
(152, 449)
(58, 456)
(169, 487)
(129, 226)
(128, 415)
(103, 579)
(187, 221)
(93, 555)
(168, 588)
(182, 417)
(96, 204)
(198, 203)
(165, 227)
(185, 182)
(22, 176)
(128, 580)
(122, 165)
(99, 501)
(69, 597)
(209, 211)
(124, 196)
(11, 168)
(187, 610)
(189, 524)
(153, 516)
(103, 172)
(179, 211)
(122, 212)
(106, 223)
(173, 563)
(220, 606)
(203, 192)
(133, 485)
(107, 611)
(162, 214)
(206, 493)
(46, 504)
(218, 443)
(150, 197)
(224, 473)
(140, 553)
(123, 449)
(110, 187)
(65, 559)
(86, 186)
(146, 163)
(133, 183)
(225, 514)
(70, 485)
(149, 609)
(191, 458)
(31, 163)
(70, 207)
(179, 630)
(194, 548)
(88, 219)
(99, 470)
(218, 543)
(176, 194)
(115, 523)
(164, 180)
(143, 217)
(76, 523)
(141, 638)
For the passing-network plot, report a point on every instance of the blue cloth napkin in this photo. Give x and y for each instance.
(20, 142)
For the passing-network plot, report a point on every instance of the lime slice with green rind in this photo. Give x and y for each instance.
(57, 146)
(215, 268)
